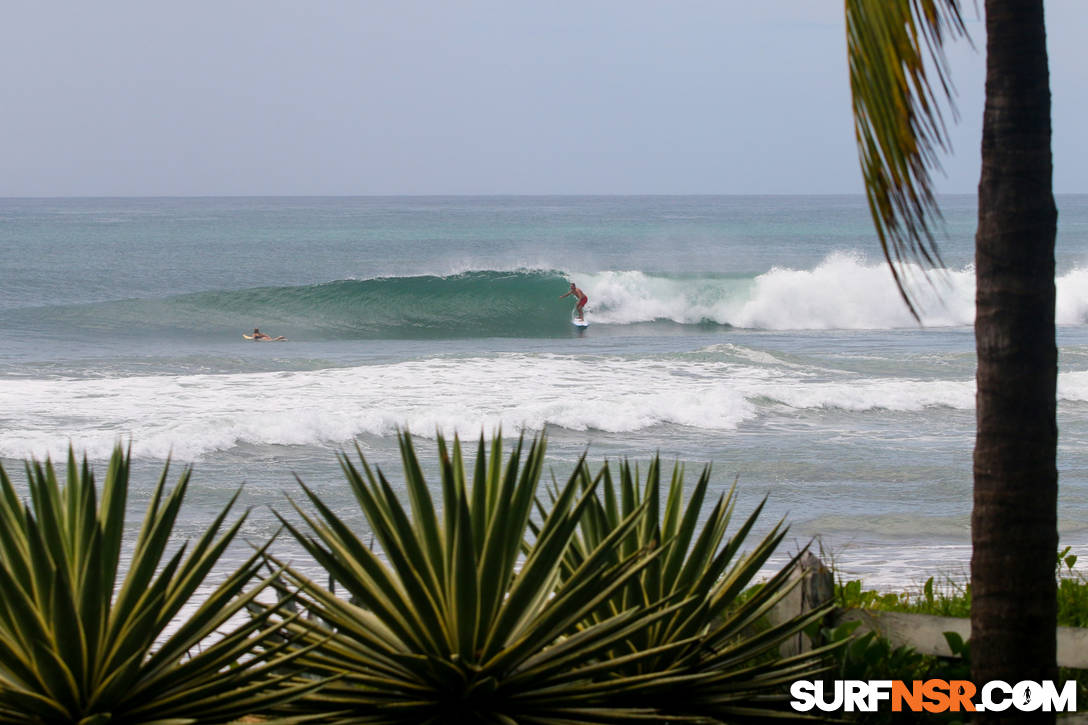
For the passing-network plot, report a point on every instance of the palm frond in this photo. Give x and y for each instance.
(894, 48)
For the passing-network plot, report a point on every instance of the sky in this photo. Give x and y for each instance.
(376, 97)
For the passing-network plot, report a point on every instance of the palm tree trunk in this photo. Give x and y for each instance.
(1014, 523)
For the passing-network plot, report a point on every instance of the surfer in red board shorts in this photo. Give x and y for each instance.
(582, 299)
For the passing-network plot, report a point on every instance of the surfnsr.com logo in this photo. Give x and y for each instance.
(932, 696)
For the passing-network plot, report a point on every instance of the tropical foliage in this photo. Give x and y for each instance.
(897, 118)
(82, 643)
(721, 615)
(476, 611)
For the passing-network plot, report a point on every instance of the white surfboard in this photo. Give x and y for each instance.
(281, 338)
(579, 322)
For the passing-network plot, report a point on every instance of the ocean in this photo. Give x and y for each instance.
(762, 334)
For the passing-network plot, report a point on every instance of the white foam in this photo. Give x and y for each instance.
(896, 567)
(624, 297)
(1071, 298)
(197, 414)
(1073, 386)
(842, 292)
(894, 394)
(193, 415)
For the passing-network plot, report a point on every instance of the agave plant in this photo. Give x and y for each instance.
(80, 643)
(722, 616)
(462, 614)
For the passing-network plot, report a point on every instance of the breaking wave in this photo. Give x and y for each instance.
(842, 292)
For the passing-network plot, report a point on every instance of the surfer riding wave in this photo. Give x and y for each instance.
(579, 309)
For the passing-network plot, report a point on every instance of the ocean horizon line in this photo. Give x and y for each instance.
(490, 195)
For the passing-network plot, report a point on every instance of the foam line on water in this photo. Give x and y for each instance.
(192, 415)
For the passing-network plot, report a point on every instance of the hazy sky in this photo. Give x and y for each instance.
(463, 97)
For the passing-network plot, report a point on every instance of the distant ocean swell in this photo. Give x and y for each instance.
(842, 292)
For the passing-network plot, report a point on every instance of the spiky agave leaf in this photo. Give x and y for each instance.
(463, 615)
(893, 48)
(724, 637)
(77, 645)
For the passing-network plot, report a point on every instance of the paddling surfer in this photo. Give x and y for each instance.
(258, 335)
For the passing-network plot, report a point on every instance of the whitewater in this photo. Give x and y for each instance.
(762, 335)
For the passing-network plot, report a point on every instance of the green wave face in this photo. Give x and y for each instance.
(472, 304)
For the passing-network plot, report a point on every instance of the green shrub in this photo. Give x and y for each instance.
(79, 646)
(722, 615)
(945, 598)
(948, 598)
(1072, 592)
(474, 611)
(869, 657)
